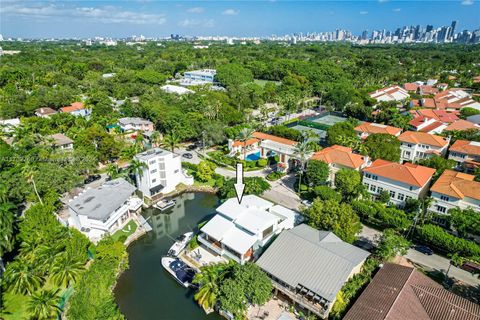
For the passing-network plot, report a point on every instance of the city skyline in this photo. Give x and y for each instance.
(116, 19)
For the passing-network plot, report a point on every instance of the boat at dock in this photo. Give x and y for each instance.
(180, 244)
(163, 205)
(179, 270)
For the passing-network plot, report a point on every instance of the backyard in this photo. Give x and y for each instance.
(126, 231)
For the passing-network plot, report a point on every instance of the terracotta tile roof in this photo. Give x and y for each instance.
(461, 125)
(74, 107)
(466, 147)
(264, 136)
(411, 174)
(402, 293)
(340, 155)
(412, 86)
(458, 185)
(431, 127)
(428, 90)
(423, 138)
(372, 128)
(440, 115)
(249, 142)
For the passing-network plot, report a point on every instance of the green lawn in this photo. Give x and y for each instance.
(125, 231)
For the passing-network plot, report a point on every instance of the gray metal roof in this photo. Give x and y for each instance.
(317, 260)
(474, 118)
(100, 202)
(60, 139)
(152, 153)
(134, 120)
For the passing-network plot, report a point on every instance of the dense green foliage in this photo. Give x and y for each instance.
(465, 221)
(378, 214)
(341, 132)
(438, 163)
(348, 183)
(253, 185)
(383, 146)
(317, 172)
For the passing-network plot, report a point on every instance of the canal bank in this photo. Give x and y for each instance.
(146, 290)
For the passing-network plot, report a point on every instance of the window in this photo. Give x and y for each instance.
(392, 194)
(441, 209)
(366, 185)
(154, 180)
(444, 198)
(374, 177)
(153, 171)
(152, 161)
(161, 165)
(380, 189)
(373, 188)
(162, 175)
(267, 232)
(401, 196)
(411, 188)
(408, 198)
(368, 175)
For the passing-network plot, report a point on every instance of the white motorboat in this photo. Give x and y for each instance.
(163, 205)
(180, 244)
(179, 270)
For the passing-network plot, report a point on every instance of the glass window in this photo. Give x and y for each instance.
(441, 209)
(153, 171)
(392, 194)
(154, 180)
(373, 188)
(401, 196)
(161, 166)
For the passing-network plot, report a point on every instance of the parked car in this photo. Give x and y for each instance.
(471, 267)
(187, 155)
(423, 249)
(191, 147)
(92, 178)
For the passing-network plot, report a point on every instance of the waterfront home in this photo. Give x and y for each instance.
(392, 93)
(76, 109)
(61, 141)
(340, 157)
(466, 154)
(420, 145)
(161, 174)
(263, 145)
(45, 112)
(455, 190)
(309, 267)
(401, 181)
(240, 230)
(399, 292)
(135, 124)
(103, 210)
(365, 129)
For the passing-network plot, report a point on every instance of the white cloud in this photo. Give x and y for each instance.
(397, 9)
(363, 12)
(195, 10)
(467, 2)
(230, 12)
(104, 14)
(191, 23)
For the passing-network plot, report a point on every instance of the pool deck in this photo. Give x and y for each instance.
(200, 257)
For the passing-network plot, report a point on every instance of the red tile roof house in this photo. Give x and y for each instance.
(365, 129)
(411, 86)
(263, 145)
(466, 154)
(427, 90)
(340, 157)
(402, 293)
(76, 109)
(401, 181)
(462, 125)
(431, 121)
(420, 145)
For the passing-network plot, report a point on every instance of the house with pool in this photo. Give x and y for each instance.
(263, 145)
(239, 231)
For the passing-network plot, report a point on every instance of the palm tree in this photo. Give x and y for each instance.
(302, 151)
(29, 171)
(113, 171)
(44, 305)
(209, 280)
(171, 140)
(65, 270)
(20, 278)
(7, 219)
(136, 168)
(4, 191)
(156, 138)
(244, 135)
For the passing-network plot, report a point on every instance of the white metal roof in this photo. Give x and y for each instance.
(239, 240)
(217, 227)
(255, 220)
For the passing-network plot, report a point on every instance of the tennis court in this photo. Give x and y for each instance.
(328, 120)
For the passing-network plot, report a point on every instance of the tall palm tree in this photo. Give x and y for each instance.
(20, 278)
(209, 280)
(44, 305)
(7, 219)
(65, 270)
(244, 135)
(302, 151)
(136, 168)
(29, 172)
(171, 140)
(156, 138)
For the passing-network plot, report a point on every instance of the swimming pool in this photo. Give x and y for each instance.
(253, 156)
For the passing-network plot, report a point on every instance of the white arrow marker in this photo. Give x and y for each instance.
(239, 186)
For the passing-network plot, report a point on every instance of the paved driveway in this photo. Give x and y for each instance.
(282, 193)
(195, 159)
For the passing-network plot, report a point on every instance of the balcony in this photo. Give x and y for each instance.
(213, 245)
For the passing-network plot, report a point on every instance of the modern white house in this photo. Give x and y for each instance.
(340, 157)
(169, 88)
(401, 181)
(466, 154)
(417, 145)
(455, 190)
(239, 230)
(135, 124)
(392, 93)
(198, 77)
(61, 141)
(162, 173)
(103, 210)
(365, 129)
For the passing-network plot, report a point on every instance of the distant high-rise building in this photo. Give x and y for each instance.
(364, 35)
(429, 28)
(452, 28)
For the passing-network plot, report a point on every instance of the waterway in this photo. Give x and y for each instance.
(146, 291)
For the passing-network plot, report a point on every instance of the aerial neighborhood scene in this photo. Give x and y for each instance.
(273, 160)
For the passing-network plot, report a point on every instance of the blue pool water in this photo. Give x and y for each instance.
(253, 156)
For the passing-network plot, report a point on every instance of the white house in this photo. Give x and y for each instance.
(176, 89)
(76, 109)
(455, 189)
(417, 145)
(401, 181)
(198, 77)
(135, 124)
(103, 210)
(392, 93)
(239, 231)
(466, 154)
(340, 157)
(61, 141)
(161, 174)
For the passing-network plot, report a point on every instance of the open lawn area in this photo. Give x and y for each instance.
(129, 228)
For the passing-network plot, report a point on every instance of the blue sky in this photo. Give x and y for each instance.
(32, 18)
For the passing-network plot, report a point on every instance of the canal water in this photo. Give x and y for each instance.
(146, 291)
